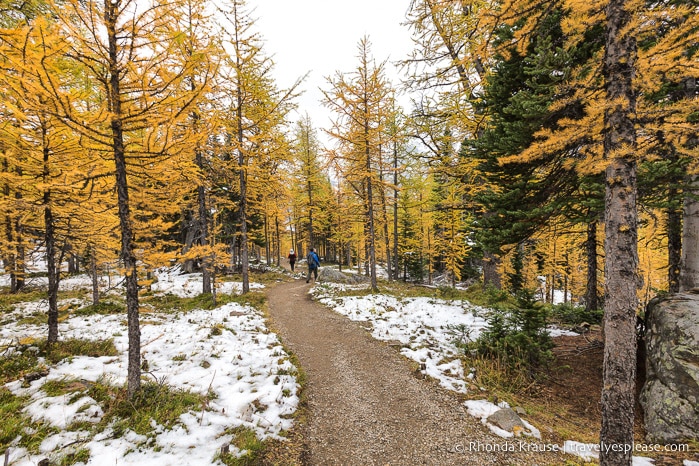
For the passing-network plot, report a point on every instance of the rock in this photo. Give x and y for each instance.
(670, 396)
(520, 411)
(32, 376)
(506, 419)
(328, 274)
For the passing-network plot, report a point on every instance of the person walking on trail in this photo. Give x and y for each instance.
(313, 264)
(292, 259)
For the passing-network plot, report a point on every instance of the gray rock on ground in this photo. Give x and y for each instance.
(670, 396)
(327, 274)
(506, 419)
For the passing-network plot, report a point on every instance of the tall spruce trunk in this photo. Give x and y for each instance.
(125, 224)
(621, 255)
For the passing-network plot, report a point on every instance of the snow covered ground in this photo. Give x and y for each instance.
(227, 351)
(428, 328)
(242, 363)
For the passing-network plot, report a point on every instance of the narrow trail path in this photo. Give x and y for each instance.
(365, 406)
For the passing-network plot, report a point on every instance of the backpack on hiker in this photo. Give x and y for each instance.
(313, 260)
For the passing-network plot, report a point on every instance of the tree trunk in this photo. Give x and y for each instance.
(268, 252)
(127, 255)
(591, 299)
(689, 277)
(372, 232)
(395, 211)
(278, 240)
(95, 277)
(674, 245)
(50, 238)
(244, 253)
(387, 238)
(203, 223)
(620, 247)
(491, 272)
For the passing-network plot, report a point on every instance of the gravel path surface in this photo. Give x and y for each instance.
(365, 405)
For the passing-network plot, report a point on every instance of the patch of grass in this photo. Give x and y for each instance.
(79, 456)
(28, 294)
(22, 361)
(79, 347)
(63, 387)
(14, 423)
(25, 358)
(254, 299)
(489, 297)
(173, 303)
(246, 440)
(155, 402)
(497, 375)
(34, 433)
(11, 418)
(103, 308)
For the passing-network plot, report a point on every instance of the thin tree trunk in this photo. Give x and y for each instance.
(203, 221)
(278, 240)
(395, 211)
(387, 238)
(95, 278)
(50, 239)
(268, 252)
(620, 247)
(370, 220)
(125, 224)
(244, 253)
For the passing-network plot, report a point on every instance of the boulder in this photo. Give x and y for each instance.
(506, 419)
(670, 395)
(327, 274)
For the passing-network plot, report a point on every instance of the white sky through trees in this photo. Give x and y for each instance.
(321, 37)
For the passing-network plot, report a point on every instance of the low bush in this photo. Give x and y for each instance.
(567, 313)
(517, 337)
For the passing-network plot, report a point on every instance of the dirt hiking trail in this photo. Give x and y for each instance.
(365, 406)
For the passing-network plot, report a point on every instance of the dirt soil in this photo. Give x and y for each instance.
(572, 389)
(365, 404)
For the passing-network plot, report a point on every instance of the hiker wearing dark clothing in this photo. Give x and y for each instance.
(313, 264)
(292, 259)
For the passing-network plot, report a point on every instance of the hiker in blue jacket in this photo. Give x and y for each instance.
(313, 264)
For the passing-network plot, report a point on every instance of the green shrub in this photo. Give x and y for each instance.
(567, 313)
(517, 337)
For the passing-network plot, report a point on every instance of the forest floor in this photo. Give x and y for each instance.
(364, 404)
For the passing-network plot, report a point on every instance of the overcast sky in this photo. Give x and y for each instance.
(321, 37)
